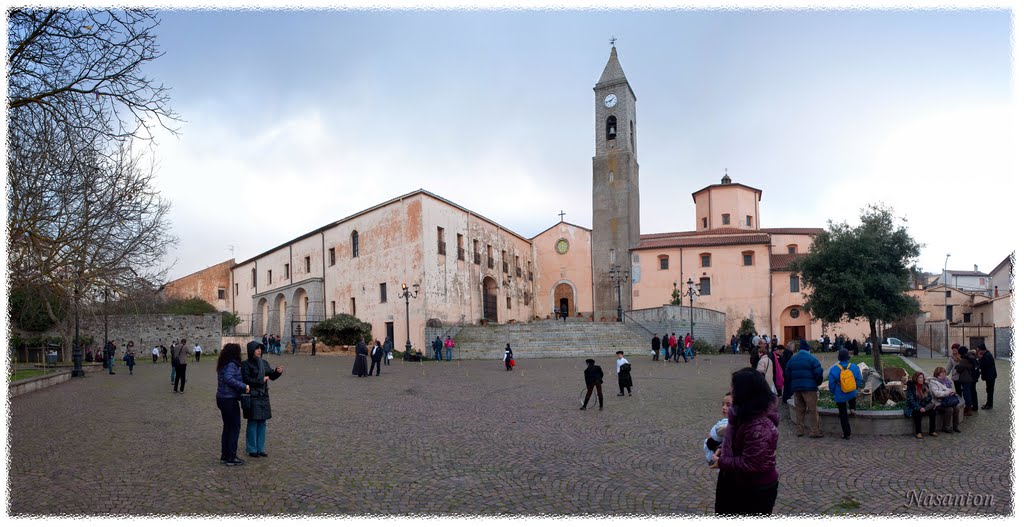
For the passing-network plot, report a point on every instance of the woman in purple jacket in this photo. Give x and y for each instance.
(747, 480)
(229, 391)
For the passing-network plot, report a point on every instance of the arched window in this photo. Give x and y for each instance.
(791, 249)
(609, 128)
(355, 244)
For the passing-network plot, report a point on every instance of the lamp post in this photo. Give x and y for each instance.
(945, 303)
(76, 349)
(406, 294)
(691, 292)
(617, 275)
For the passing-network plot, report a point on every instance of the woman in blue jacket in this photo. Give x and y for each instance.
(843, 399)
(229, 391)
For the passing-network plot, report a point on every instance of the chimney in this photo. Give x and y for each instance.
(975, 267)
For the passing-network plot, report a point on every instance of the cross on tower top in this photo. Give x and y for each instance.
(561, 216)
(612, 40)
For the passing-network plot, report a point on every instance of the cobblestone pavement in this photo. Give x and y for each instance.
(458, 438)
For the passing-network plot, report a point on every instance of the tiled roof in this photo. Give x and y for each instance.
(794, 230)
(704, 241)
(780, 262)
(966, 273)
(731, 230)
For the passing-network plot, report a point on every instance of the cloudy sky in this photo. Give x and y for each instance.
(294, 119)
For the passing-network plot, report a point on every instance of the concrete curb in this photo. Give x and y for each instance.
(24, 386)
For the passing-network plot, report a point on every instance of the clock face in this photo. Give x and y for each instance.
(610, 100)
(562, 246)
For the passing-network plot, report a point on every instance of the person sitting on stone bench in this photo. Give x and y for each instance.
(919, 404)
(950, 407)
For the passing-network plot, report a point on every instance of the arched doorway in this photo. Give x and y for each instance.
(300, 311)
(490, 289)
(564, 296)
(280, 311)
(795, 322)
(263, 312)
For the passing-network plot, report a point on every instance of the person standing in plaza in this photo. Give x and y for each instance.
(755, 353)
(988, 374)
(766, 367)
(230, 388)
(966, 372)
(734, 343)
(507, 358)
(437, 345)
(109, 352)
(593, 376)
(655, 347)
(622, 369)
(174, 362)
(804, 373)
(163, 353)
(155, 353)
(388, 348)
(687, 348)
(198, 350)
(448, 345)
(673, 347)
(359, 367)
(181, 356)
(954, 360)
(266, 343)
(375, 358)
(295, 344)
(843, 380)
(312, 347)
(129, 357)
(664, 345)
(748, 482)
(256, 372)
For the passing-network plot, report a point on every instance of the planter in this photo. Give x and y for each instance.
(867, 422)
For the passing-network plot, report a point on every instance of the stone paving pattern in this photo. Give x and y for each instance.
(457, 438)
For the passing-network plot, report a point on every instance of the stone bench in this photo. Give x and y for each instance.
(870, 422)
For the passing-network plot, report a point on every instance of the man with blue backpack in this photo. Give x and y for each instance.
(843, 380)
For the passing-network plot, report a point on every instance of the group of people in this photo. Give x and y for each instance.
(379, 353)
(593, 378)
(243, 391)
(447, 345)
(672, 347)
(950, 389)
(272, 344)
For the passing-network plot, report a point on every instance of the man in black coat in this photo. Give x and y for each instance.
(378, 354)
(664, 345)
(594, 377)
(655, 347)
(437, 348)
(988, 374)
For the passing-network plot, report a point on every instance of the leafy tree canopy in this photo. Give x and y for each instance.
(342, 329)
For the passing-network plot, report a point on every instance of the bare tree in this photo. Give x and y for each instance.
(83, 212)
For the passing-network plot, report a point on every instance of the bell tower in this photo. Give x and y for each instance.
(616, 188)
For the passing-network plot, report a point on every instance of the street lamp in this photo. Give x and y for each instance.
(691, 292)
(617, 275)
(76, 349)
(406, 294)
(945, 303)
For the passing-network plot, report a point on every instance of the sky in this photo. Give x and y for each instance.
(295, 119)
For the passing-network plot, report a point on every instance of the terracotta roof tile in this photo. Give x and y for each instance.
(780, 262)
(704, 241)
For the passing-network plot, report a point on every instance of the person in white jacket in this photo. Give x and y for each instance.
(507, 358)
(765, 366)
(622, 369)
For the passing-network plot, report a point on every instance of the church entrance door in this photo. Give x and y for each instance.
(564, 299)
(490, 299)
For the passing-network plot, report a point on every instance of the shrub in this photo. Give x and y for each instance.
(28, 308)
(189, 306)
(702, 347)
(228, 321)
(342, 329)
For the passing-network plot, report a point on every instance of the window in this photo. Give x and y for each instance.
(490, 256)
(221, 293)
(794, 283)
(307, 264)
(750, 221)
(705, 222)
(330, 257)
(383, 293)
(526, 299)
(609, 128)
(791, 249)
(441, 248)
(508, 302)
(287, 271)
(705, 260)
(462, 250)
(705, 286)
(949, 294)
(334, 309)
(254, 277)
(949, 313)
(663, 262)
(236, 288)
(353, 301)
(794, 313)
(748, 258)
(355, 244)
(476, 252)
(270, 276)
(967, 318)
(725, 219)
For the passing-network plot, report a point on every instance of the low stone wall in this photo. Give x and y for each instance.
(24, 386)
(869, 422)
(708, 324)
(149, 330)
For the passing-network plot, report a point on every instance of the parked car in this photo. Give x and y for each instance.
(895, 345)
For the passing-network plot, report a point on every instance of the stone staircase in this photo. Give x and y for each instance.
(549, 338)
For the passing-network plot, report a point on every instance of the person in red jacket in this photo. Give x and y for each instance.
(748, 482)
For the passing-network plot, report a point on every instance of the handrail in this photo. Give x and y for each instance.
(645, 328)
(455, 325)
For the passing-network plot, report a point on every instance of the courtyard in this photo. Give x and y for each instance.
(460, 438)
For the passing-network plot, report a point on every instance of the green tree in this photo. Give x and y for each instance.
(861, 272)
(747, 329)
(342, 329)
(228, 321)
(677, 297)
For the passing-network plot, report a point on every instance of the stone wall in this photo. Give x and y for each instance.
(149, 330)
(1004, 342)
(708, 324)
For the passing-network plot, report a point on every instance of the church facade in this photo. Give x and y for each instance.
(460, 267)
